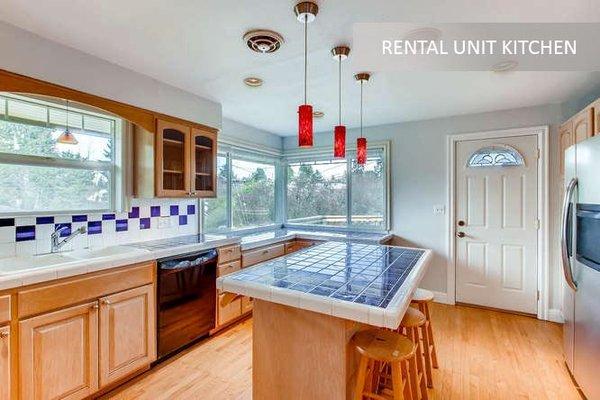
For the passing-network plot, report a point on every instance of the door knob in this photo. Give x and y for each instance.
(461, 234)
(461, 223)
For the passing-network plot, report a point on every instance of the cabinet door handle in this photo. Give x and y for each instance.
(4, 335)
(106, 302)
(265, 252)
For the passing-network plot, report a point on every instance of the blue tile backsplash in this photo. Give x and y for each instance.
(30, 235)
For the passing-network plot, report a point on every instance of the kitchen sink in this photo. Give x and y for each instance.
(85, 254)
(24, 264)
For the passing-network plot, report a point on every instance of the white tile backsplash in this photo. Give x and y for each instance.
(9, 247)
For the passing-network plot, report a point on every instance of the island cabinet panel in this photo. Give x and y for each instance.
(4, 309)
(5, 376)
(127, 333)
(58, 354)
(263, 254)
(299, 354)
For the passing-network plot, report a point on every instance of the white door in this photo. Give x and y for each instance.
(496, 223)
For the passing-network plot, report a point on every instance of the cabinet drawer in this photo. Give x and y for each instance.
(297, 245)
(229, 253)
(4, 308)
(77, 290)
(266, 253)
(247, 304)
(228, 312)
(225, 269)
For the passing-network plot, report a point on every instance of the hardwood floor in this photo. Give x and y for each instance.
(483, 355)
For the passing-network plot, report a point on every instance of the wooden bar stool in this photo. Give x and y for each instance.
(421, 300)
(382, 351)
(413, 322)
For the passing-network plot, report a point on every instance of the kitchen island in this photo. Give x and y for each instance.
(310, 303)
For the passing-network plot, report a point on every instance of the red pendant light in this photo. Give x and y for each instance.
(306, 12)
(340, 53)
(361, 142)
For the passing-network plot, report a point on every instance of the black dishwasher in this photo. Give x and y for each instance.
(186, 300)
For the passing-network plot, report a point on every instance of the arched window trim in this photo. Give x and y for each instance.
(499, 155)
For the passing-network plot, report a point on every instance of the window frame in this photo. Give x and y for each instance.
(321, 154)
(55, 162)
(231, 152)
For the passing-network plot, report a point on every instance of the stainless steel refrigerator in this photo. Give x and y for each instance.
(580, 247)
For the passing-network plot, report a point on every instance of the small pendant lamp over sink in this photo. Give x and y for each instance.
(361, 142)
(67, 137)
(340, 53)
(306, 12)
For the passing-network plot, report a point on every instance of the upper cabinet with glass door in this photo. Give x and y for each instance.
(203, 163)
(185, 161)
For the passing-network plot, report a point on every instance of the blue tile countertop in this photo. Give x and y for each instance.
(367, 283)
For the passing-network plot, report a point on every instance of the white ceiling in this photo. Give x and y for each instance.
(197, 46)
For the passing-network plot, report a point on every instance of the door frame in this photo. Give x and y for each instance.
(543, 278)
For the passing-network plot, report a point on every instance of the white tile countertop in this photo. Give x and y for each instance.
(22, 271)
(367, 283)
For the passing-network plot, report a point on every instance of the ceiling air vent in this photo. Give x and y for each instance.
(263, 41)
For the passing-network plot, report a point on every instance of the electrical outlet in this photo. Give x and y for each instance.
(164, 222)
(439, 209)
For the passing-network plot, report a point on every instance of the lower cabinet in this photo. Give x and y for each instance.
(59, 354)
(247, 304)
(229, 312)
(74, 352)
(5, 384)
(127, 333)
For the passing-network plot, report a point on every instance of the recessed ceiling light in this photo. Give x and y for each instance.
(431, 34)
(505, 66)
(318, 114)
(253, 81)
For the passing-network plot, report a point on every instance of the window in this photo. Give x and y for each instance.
(37, 174)
(246, 193)
(496, 156)
(333, 192)
(317, 192)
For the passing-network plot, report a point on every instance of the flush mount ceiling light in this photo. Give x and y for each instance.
(505, 66)
(306, 12)
(318, 114)
(361, 142)
(263, 41)
(253, 81)
(67, 137)
(339, 131)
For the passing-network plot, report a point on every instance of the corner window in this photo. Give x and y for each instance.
(40, 175)
(246, 193)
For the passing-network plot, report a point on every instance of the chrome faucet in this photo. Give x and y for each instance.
(55, 237)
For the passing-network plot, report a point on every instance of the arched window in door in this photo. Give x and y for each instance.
(496, 156)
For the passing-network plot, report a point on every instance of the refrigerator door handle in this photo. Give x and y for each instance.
(566, 260)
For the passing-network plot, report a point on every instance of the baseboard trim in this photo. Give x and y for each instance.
(555, 315)
(441, 297)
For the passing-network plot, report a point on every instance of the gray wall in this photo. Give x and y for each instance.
(244, 133)
(28, 54)
(420, 178)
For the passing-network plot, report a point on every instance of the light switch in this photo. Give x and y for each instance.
(439, 209)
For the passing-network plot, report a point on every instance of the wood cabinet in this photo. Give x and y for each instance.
(203, 163)
(565, 141)
(256, 256)
(127, 333)
(4, 309)
(233, 310)
(596, 108)
(5, 376)
(58, 354)
(185, 161)
(298, 244)
(583, 124)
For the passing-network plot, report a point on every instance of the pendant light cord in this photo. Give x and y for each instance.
(340, 90)
(67, 126)
(361, 108)
(305, 54)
